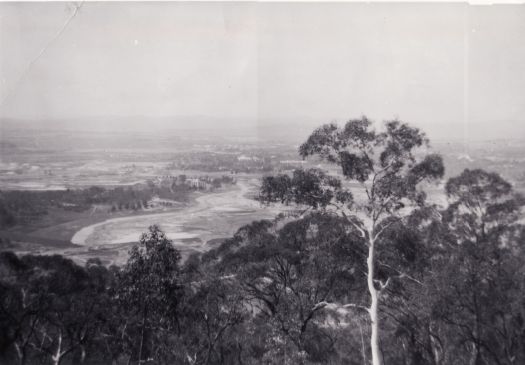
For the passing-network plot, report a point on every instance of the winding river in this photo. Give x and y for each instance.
(215, 215)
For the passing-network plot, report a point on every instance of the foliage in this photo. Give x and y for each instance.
(25, 207)
(296, 290)
(384, 165)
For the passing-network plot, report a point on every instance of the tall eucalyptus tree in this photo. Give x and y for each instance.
(378, 186)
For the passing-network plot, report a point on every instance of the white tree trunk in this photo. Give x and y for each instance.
(58, 355)
(20, 354)
(374, 298)
(82, 354)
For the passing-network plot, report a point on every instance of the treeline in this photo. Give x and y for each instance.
(382, 277)
(153, 309)
(24, 207)
(275, 294)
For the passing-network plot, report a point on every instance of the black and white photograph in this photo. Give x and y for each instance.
(262, 182)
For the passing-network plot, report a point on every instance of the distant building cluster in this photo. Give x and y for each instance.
(206, 183)
(197, 183)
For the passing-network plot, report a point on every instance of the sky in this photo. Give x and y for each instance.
(455, 70)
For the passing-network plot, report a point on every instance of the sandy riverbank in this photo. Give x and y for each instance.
(210, 216)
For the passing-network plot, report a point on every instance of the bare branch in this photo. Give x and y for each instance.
(335, 306)
(384, 284)
(401, 275)
(404, 275)
(361, 230)
(378, 234)
(357, 306)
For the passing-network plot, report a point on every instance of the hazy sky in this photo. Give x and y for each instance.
(449, 68)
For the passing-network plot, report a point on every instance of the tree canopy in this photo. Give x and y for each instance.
(368, 271)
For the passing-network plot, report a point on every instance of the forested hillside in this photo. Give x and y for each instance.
(364, 270)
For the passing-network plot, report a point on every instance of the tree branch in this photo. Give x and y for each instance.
(335, 306)
(378, 234)
(361, 230)
(401, 275)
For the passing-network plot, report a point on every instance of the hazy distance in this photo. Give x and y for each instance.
(455, 70)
